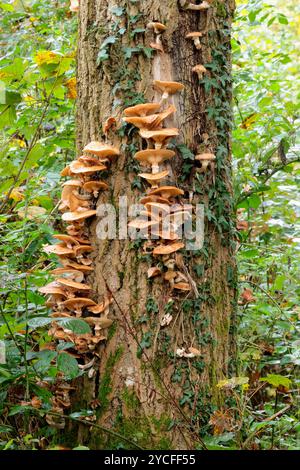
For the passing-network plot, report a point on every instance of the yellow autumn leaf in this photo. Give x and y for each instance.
(233, 382)
(16, 195)
(46, 57)
(247, 123)
(71, 85)
(19, 142)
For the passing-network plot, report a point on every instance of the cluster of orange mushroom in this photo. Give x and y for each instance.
(160, 204)
(68, 295)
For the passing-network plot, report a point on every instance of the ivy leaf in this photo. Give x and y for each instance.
(68, 365)
(39, 322)
(185, 152)
(277, 380)
(107, 41)
(118, 11)
(76, 325)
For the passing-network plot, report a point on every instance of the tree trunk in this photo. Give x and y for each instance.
(146, 392)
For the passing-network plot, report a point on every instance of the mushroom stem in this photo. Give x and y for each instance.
(191, 6)
(158, 39)
(197, 43)
(164, 97)
(155, 168)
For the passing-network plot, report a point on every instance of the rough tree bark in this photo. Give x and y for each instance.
(152, 397)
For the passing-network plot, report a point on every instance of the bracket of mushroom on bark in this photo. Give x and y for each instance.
(69, 296)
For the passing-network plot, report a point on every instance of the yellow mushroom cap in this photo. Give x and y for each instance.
(159, 136)
(79, 167)
(102, 322)
(154, 178)
(168, 249)
(102, 150)
(72, 284)
(157, 207)
(53, 288)
(199, 69)
(205, 156)
(77, 215)
(194, 34)
(142, 122)
(72, 264)
(95, 186)
(66, 239)
(158, 27)
(153, 156)
(184, 286)
(73, 183)
(167, 191)
(152, 198)
(143, 109)
(75, 274)
(58, 249)
(167, 87)
(153, 272)
(78, 303)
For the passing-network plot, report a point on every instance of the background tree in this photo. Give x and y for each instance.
(144, 389)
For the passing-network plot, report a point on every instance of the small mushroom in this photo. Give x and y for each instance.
(77, 304)
(158, 28)
(183, 286)
(206, 160)
(166, 320)
(157, 46)
(200, 70)
(160, 136)
(157, 210)
(167, 88)
(67, 240)
(94, 187)
(78, 167)
(71, 285)
(101, 150)
(103, 307)
(74, 274)
(165, 234)
(168, 249)
(108, 124)
(77, 215)
(142, 122)
(53, 288)
(143, 109)
(59, 249)
(98, 324)
(195, 36)
(167, 192)
(141, 224)
(153, 272)
(68, 188)
(152, 198)
(154, 178)
(187, 5)
(154, 157)
(67, 263)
